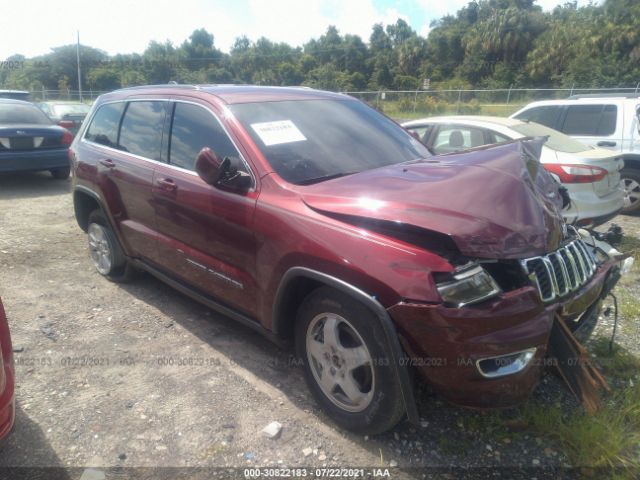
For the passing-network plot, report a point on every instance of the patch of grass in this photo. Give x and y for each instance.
(631, 244)
(611, 437)
(628, 303)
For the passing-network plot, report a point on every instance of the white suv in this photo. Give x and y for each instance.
(608, 121)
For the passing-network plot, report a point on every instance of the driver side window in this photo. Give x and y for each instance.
(193, 128)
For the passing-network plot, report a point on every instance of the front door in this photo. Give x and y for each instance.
(205, 234)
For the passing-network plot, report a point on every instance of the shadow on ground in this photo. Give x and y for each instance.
(31, 185)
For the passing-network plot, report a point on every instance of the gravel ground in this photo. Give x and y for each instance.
(139, 375)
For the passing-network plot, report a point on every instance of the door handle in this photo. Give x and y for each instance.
(107, 162)
(605, 143)
(167, 185)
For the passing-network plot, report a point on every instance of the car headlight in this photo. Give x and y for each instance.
(468, 286)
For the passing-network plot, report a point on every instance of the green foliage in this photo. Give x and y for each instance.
(486, 44)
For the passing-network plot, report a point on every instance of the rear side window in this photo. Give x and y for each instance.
(547, 116)
(104, 126)
(590, 120)
(457, 137)
(141, 130)
(193, 129)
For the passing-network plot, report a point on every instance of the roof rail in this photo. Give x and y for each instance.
(606, 95)
(163, 85)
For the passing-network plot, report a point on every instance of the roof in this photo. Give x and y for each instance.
(237, 93)
(469, 119)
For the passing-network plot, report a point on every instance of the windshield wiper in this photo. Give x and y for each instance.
(309, 181)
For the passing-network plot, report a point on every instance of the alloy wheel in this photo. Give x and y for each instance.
(631, 192)
(340, 362)
(100, 248)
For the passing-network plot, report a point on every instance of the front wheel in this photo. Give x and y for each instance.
(630, 179)
(347, 362)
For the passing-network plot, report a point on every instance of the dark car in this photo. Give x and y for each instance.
(314, 219)
(7, 379)
(30, 141)
(69, 115)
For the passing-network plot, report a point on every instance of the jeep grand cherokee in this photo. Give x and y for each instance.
(315, 219)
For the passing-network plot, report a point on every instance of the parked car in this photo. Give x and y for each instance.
(316, 220)
(69, 115)
(7, 377)
(607, 121)
(15, 94)
(30, 141)
(591, 175)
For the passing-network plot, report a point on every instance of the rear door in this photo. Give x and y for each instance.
(126, 139)
(205, 235)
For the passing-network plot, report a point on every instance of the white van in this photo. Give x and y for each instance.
(608, 121)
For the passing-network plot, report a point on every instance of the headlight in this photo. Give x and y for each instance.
(469, 286)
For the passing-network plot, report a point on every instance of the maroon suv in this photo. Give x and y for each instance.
(314, 219)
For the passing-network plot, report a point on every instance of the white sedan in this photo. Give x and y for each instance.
(591, 175)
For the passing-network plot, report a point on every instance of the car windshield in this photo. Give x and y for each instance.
(15, 113)
(557, 141)
(71, 109)
(309, 141)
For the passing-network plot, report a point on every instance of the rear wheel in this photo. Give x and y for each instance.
(346, 362)
(630, 178)
(60, 173)
(105, 251)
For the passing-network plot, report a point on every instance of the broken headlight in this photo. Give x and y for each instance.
(469, 286)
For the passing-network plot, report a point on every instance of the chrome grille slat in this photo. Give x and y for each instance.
(561, 272)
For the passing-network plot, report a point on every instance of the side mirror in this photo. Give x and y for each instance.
(414, 134)
(223, 174)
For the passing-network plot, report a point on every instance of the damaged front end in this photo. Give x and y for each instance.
(521, 286)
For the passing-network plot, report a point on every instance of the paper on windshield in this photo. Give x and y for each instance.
(275, 133)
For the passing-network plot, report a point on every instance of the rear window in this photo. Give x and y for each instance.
(62, 110)
(547, 115)
(16, 113)
(556, 141)
(104, 126)
(308, 141)
(590, 120)
(141, 130)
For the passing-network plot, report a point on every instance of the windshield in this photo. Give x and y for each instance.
(557, 141)
(15, 113)
(313, 140)
(71, 109)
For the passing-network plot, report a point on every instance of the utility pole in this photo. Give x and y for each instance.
(78, 60)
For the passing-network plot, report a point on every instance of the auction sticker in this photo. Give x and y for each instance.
(275, 133)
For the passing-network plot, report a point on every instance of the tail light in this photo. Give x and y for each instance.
(568, 173)
(67, 138)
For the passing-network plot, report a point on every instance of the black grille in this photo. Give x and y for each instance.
(562, 271)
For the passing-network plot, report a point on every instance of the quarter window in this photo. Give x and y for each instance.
(193, 129)
(141, 131)
(104, 126)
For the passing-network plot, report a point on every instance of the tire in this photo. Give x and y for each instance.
(374, 402)
(105, 251)
(60, 173)
(630, 179)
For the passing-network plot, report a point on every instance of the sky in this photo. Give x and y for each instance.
(127, 26)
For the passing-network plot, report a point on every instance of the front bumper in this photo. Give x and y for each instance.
(7, 403)
(33, 160)
(445, 344)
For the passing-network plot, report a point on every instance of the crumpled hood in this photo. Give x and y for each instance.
(493, 202)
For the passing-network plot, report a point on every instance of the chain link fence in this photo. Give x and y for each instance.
(408, 104)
